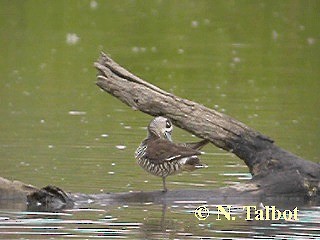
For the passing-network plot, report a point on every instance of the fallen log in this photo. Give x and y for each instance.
(19, 196)
(279, 177)
(272, 168)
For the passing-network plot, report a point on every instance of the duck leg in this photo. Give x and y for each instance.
(164, 184)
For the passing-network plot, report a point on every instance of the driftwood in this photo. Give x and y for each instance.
(278, 175)
(274, 170)
(17, 195)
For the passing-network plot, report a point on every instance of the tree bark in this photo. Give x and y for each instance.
(265, 160)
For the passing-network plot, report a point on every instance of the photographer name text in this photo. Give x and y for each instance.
(251, 213)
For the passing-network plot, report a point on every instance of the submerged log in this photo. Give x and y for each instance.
(51, 198)
(272, 168)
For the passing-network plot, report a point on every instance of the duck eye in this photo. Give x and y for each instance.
(168, 124)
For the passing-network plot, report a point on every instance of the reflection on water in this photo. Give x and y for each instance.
(33, 224)
(257, 61)
(150, 221)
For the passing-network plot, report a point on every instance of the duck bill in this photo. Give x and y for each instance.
(168, 136)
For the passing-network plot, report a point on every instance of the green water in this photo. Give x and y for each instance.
(257, 61)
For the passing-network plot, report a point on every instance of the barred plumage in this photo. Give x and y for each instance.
(162, 169)
(158, 155)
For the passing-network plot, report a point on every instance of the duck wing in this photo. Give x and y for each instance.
(160, 150)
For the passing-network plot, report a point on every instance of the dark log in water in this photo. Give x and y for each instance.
(277, 173)
(52, 198)
(266, 161)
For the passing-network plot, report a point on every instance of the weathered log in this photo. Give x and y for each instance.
(14, 190)
(51, 198)
(279, 177)
(26, 196)
(264, 159)
(21, 196)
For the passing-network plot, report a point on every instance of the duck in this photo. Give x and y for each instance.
(160, 156)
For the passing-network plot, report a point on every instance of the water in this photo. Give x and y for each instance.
(256, 61)
(150, 221)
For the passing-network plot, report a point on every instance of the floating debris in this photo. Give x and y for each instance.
(104, 135)
(180, 51)
(93, 4)
(275, 35)
(77, 113)
(311, 41)
(137, 49)
(194, 24)
(121, 147)
(42, 66)
(236, 59)
(24, 164)
(72, 38)
(206, 21)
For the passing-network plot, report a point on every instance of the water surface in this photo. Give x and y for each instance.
(257, 61)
